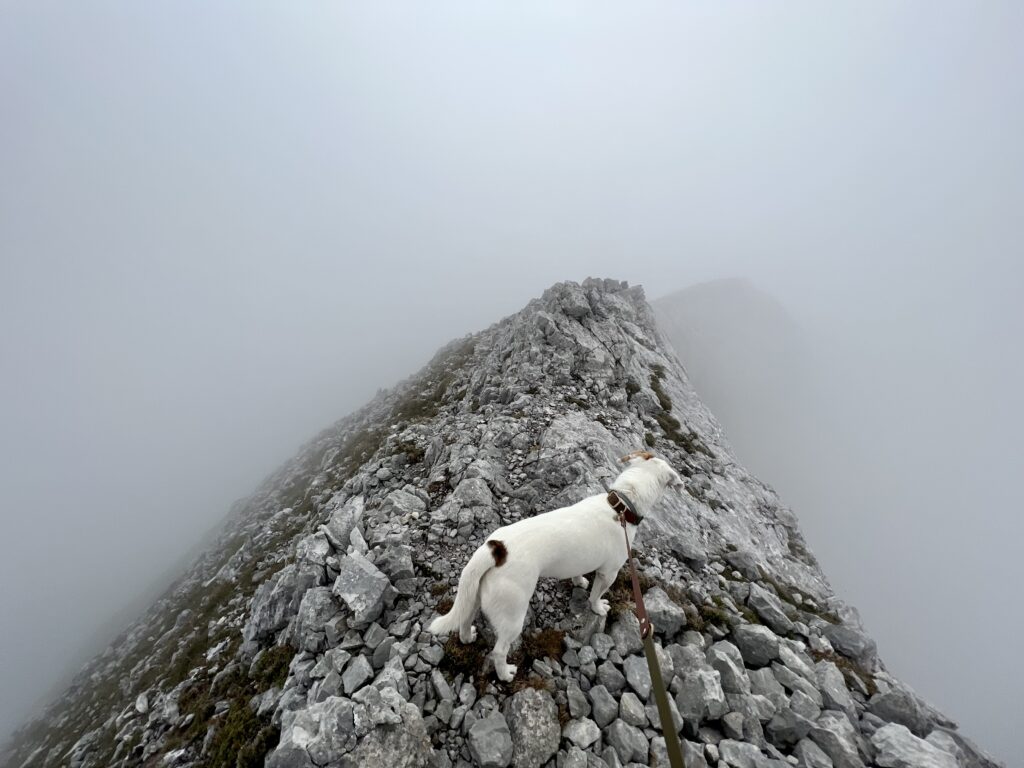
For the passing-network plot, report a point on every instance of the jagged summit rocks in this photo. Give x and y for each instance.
(297, 640)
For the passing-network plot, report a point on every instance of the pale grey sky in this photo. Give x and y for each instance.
(223, 227)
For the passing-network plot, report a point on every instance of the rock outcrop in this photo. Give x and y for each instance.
(298, 640)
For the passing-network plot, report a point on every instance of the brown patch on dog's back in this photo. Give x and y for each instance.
(499, 552)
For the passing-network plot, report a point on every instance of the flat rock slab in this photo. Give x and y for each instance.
(360, 585)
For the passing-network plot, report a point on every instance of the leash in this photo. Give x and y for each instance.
(618, 501)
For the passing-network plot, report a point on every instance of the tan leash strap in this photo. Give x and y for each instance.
(638, 599)
(675, 753)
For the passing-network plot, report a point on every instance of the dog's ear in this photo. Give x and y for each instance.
(638, 455)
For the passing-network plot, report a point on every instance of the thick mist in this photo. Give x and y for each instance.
(896, 441)
(220, 230)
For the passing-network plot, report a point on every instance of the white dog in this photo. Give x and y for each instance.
(565, 543)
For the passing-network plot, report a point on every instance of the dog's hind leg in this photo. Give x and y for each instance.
(467, 632)
(499, 656)
(602, 580)
(504, 602)
(580, 581)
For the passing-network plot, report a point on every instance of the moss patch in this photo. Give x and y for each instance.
(620, 594)
(849, 668)
(413, 451)
(438, 588)
(467, 659)
(444, 605)
(271, 668)
(533, 681)
(714, 614)
(798, 550)
(437, 379)
(669, 424)
(240, 737)
(543, 643)
(240, 731)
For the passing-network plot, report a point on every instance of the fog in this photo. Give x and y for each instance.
(219, 231)
(900, 453)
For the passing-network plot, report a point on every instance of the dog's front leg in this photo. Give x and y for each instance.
(602, 580)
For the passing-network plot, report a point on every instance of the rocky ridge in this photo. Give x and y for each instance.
(298, 639)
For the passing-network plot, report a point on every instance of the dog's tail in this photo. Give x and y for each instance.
(467, 598)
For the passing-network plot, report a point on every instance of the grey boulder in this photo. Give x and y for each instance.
(787, 727)
(668, 617)
(757, 644)
(276, 601)
(701, 696)
(739, 754)
(726, 659)
(318, 606)
(361, 587)
(603, 705)
(769, 608)
(897, 747)
(628, 742)
(810, 755)
(852, 643)
(837, 739)
(834, 693)
(900, 705)
(490, 742)
(342, 521)
(402, 745)
(396, 562)
(582, 732)
(532, 717)
(322, 733)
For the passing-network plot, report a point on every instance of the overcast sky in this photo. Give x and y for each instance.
(222, 228)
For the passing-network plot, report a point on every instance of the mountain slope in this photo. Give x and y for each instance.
(298, 638)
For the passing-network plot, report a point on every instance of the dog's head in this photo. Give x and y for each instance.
(662, 469)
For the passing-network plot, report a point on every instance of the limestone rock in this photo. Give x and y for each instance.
(361, 587)
(852, 643)
(276, 601)
(581, 732)
(834, 693)
(701, 696)
(810, 755)
(897, 747)
(900, 705)
(490, 742)
(725, 657)
(318, 606)
(628, 742)
(532, 717)
(769, 608)
(757, 644)
(604, 706)
(786, 728)
(396, 562)
(739, 754)
(837, 739)
(668, 617)
(405, 745)
(342, 521)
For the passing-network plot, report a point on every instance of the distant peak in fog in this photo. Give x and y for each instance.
(724, 297)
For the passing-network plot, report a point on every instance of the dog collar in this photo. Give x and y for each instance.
(623, 506)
